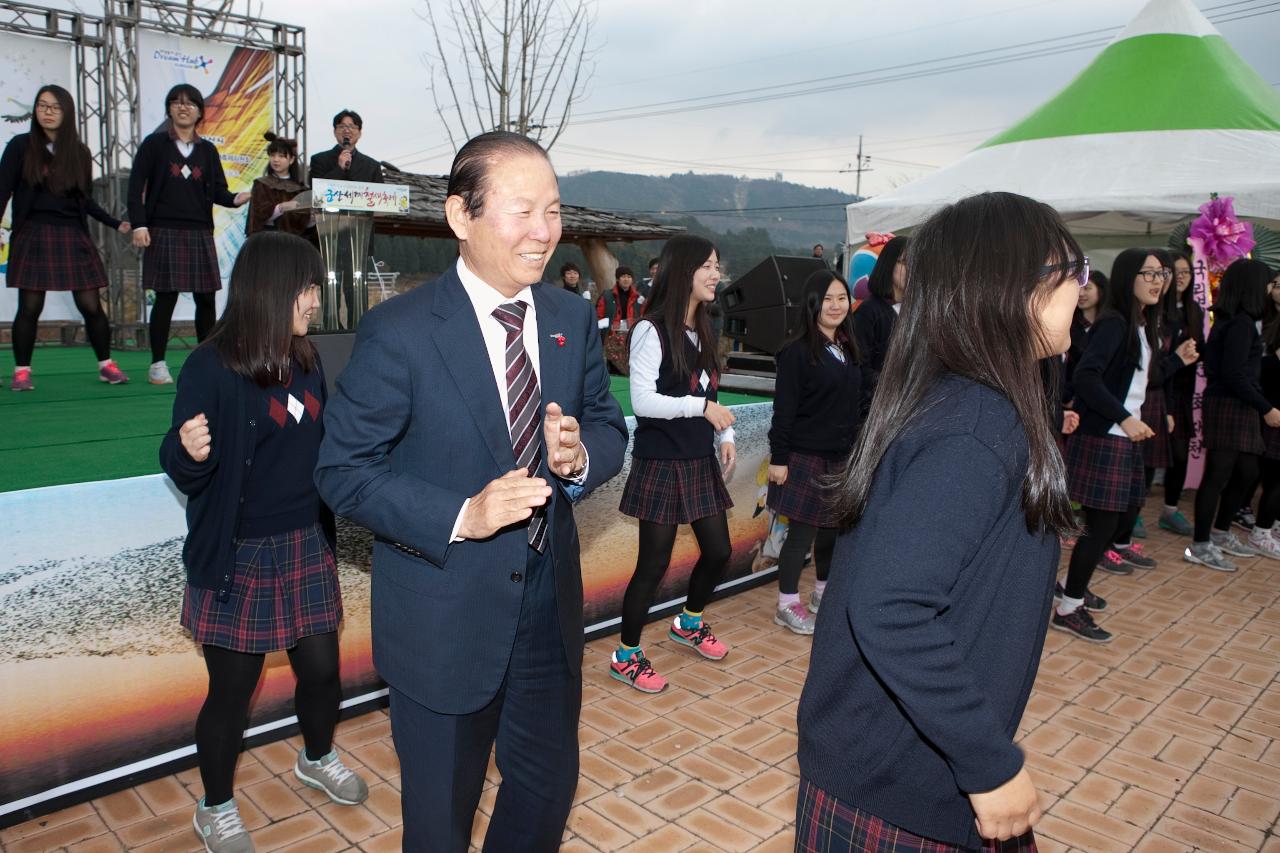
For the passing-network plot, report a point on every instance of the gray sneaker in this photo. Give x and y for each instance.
(1207, 554)
(1229, 543)
(815, 600)
(796, 618)
(333, 777)
(221, 829)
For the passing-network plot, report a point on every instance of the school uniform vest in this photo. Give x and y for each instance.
(678, 438)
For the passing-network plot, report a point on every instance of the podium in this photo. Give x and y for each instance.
(344, 212)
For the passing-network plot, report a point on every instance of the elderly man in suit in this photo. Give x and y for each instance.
(474, 412)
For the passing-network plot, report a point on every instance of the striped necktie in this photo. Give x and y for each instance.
(524, 402)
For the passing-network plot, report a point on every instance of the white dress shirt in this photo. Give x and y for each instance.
(484, 299)
(646, 402)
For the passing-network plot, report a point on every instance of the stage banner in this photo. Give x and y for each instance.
(238, 85)
(26, 64)
(98, 681)
(359, 196)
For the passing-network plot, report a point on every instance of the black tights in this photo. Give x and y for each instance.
(1229, 476)
(1269, 505)
(801, 537)
(233, 676)
(1101, 528)
(162, 317)
(27, 321)
(656, 542)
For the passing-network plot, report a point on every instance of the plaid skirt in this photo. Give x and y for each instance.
(1105, 472)
(181, 260)
(674, 491)
(1156, 451)
(285, 588)
(824, 824)
(1230, 424)
(802, 498)
(54, 257)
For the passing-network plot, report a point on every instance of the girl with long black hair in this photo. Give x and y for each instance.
(1233, 406)
(176, 180)
(48, 174)
(1157, 451)
(675, 478)
(261, 574)
(1187, 319)
(818, 402)
(1105, 466)
(931, 628)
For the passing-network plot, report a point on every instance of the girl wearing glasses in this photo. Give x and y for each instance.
(1186, 317)
(48, 174)
(931, 628)
(176, 180)
(1233, 401)
(1105, 465)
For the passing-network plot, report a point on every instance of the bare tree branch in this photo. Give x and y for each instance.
(511, 64)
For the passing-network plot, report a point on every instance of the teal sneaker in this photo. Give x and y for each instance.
(1139, 529)
(1176, 522)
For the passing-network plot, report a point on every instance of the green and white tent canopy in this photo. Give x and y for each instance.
(1167, 114)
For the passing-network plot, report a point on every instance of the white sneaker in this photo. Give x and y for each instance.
(221, 829)
(1228, 543)
(1264, 543)
(158, 374)
(795, 618)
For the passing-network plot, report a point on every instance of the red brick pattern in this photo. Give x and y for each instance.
(1168, 739)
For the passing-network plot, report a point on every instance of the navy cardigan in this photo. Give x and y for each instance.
(816, 407)
(12, 184)
(1233, 362)
(1101, 380)
(933, 622)
(214, 487)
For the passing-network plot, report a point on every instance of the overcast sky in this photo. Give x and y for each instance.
(662, 50)
(368, 55)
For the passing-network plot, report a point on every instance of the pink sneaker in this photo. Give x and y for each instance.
(22, 380)
(112, 374)
(700, 639)
(638, 672)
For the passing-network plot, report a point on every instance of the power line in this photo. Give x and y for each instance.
(967, 61)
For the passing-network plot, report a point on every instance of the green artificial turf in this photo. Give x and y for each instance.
(75, 429)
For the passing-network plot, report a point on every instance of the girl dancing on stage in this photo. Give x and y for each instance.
(176, 179)
(271, 203)
(48, 174)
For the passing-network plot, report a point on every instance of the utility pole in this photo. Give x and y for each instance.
(864, 165)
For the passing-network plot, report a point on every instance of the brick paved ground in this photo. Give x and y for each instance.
(1167, 739)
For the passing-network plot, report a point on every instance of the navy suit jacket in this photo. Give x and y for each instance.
(415, 427)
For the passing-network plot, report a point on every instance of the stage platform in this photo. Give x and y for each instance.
(75, 429)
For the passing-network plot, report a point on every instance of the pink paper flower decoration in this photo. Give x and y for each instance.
(1218, 236)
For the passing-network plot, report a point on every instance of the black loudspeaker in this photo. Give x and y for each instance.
(762, 308)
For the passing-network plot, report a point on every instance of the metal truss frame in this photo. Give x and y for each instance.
(107, 85)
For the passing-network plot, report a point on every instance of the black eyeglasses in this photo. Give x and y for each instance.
(1150, 276)
(1082, 277)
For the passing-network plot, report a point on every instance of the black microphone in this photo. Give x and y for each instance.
(346, 146)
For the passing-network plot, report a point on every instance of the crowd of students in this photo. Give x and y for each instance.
(1130, 378)
(945, 426)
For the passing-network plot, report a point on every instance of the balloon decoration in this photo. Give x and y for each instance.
(863, 261)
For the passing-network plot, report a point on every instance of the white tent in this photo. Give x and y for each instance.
(1167, 114)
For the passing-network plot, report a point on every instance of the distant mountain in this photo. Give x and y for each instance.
(794, 216)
